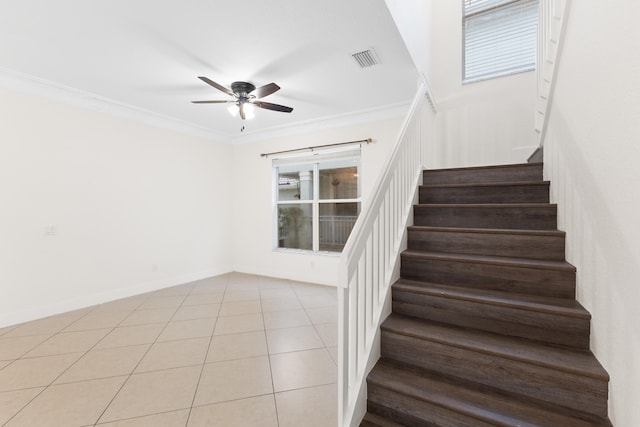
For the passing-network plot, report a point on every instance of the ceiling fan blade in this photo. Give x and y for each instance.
(274, 107)
(212, 102)
(265, 90)
(216, 85)
(242, 116)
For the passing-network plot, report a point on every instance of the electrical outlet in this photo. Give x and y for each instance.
(50, 231)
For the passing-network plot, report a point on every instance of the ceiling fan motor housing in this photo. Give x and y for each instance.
(242, 89)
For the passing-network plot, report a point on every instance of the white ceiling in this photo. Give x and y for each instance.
(148, 54)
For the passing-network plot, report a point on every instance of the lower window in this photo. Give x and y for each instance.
(317, 200)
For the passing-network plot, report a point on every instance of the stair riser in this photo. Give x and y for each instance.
(551, 386)
(505, 217)
(544, 247)
(502, 174)
(544, 327)
(538, 193)
(532, 281)
(415, 412)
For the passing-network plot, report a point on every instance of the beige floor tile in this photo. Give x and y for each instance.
(333, 351)
(205, 298)
(155, 315)
(285, 319)
(11, 402)
(4, 363)
(302, 369)
(154, 392)
(75, 404)
(110, 362)
(322, 315)
(166, 419)
(239, 324)
(241, 295)
(277, 293)
(13, 348)
(234, 379)
(221, 280)
(251, 412)
(185, 329)
(174, 354)
(191, 312)
(49, 325)
(293, 339)
(124, 304)
(237, 346)
(35, 372)
(6, 329)
(98, 320)
(309, 407)
(175, 290)
(240, 307)
(69, 342)
(329, 334)
(281, 304)
(131, 335)
(172, 301)
(273, 283)
(212, 288)
(315, 301)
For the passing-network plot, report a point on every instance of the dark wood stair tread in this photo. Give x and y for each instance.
(557, 233)
(492, 260)
(486, 184)
(478, 403)
(578, 362)
(559, 306)
(486, 205)
(371, 419)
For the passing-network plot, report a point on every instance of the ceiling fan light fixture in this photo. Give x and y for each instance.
(233, 109)
(249, 111)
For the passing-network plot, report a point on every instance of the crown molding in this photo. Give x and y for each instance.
(35, 86)
(369, 115)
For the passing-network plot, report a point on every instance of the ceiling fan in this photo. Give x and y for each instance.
(245, 96)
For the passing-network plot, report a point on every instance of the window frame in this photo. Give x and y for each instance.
(315, 159)
(496, 73)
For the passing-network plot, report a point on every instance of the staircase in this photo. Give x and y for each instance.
(485, 329)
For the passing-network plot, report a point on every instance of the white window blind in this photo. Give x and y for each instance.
(499, 37)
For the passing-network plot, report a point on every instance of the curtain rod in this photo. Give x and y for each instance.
(368, 140)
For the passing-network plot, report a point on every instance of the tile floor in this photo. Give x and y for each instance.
(232, 350)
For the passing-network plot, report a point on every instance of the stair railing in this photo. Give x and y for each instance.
(370, 260)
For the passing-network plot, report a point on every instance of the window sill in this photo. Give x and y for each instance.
(307, 252)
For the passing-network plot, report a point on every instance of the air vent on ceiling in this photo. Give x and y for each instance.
(366, 58)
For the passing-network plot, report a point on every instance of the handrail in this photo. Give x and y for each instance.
(368, 265)
(552, 17)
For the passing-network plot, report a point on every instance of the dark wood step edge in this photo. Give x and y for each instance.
(486, 205)
(506, 231)
(494, 298)
(488, 184)
(491, 167)
(491, 260)
(505, 351)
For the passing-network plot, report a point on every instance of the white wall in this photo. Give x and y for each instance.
(252, 202)
(119, 197)
(482, 123)
(591, 154)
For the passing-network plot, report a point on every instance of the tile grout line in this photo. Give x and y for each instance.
(273, 387)
(139, 361)
(204, 361)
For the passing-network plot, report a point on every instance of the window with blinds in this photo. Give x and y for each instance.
(499, 38)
